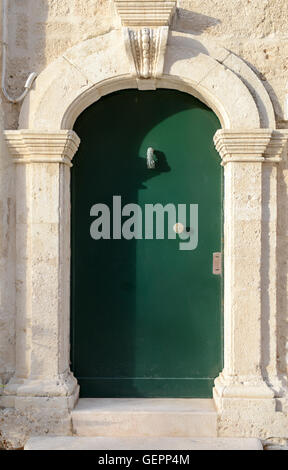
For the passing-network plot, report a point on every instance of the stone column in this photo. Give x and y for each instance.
(244, 392)
(43, 378)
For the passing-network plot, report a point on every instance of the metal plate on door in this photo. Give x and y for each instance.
(217, 263)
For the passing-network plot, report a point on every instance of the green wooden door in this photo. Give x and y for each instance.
(146, 316)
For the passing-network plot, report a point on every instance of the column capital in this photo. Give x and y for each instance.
(251, 145)
(29, 146)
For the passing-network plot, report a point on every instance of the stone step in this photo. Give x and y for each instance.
(139, 443)
(140, 417)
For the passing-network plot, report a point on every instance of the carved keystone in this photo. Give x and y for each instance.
(145, 26)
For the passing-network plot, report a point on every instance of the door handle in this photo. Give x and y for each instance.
(217, 264)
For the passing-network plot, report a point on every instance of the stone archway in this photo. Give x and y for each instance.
(43, 148)
(100, 65)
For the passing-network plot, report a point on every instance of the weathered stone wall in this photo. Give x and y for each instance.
(7, 256)
(7, 262)
(256, 30)
(41, 30)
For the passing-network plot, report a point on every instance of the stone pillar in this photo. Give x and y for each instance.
(42, 379)
(244, 391)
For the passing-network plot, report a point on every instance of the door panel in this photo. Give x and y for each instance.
(146, 316)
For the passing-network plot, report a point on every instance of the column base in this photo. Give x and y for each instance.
(227, 386)
(60, 393)
(247, 407)
(37, 407)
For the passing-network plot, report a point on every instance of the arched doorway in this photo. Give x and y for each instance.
(43, 148)
(146, 314)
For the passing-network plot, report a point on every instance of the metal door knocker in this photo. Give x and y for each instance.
(151, 160)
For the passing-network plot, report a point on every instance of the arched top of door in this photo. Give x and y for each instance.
(100, 66)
